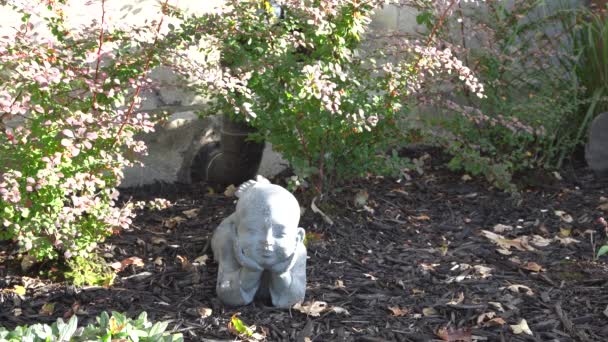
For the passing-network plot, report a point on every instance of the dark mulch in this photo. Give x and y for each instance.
(417, 247)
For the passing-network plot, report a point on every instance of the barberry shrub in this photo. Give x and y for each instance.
(296, 71)
(68, 121)
(531, 118)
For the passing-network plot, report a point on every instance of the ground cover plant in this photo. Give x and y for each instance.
(107, 328)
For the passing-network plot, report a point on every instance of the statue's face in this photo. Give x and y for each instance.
(268, 236)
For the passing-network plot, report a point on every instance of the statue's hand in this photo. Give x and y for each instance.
(285, 265)
(244, 260)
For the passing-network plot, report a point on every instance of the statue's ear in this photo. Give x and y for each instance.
(301, 234)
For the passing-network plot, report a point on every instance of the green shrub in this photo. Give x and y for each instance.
(108, 328)
(526, 121)
(67, 129)
(91, 271)
(303, 82)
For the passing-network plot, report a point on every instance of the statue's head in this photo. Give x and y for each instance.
(267, 219)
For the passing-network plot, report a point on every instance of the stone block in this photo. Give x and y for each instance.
(596, 151)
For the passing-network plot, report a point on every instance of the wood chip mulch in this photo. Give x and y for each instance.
(403, 261)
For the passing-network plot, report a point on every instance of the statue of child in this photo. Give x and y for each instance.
(260, 249)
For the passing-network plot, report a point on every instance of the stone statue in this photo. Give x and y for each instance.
(260, 249)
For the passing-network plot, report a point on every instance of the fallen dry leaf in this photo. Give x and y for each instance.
(340, 310)
(339, 284)
(466, 178)
(421, 217)
(455, 335)
(486, 316)
(204, 311)
(517, 288)
(173, 222)
(501, 228)
(565, 232)
(47, 309)
(540, 241)
(603, 206)
(121, 265)
(532, 266)
(564, 216)
(27, 262)
(497, 306)
(361, 198)
(201, 260)
(416, 292)
(397, 311)
(483, 271)
(311, 309)
(186, 265)
(457, 300)
(566, 240)
(520, 243)
(230, 190)
(158, 261)
(515, 260)
(192, 213)
(498, 321)
(504, 251)
(522, 327)
(155, 240)
(429, 311)
(370, 276)
(17, 289)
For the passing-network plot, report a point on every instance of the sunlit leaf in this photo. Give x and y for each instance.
(603, 250)
(237, 327)
(522, 327)
(314, 308)
(454, 335)
(397, 311)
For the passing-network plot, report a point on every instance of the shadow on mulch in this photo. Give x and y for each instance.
(408, 265)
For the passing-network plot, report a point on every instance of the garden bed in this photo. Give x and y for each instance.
(407, 263)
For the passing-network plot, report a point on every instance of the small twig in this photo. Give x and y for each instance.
(145, 70)
(98, 62)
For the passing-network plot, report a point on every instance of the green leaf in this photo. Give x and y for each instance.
(603, 250)
(25, 212)
(240, 327)
(103, 320)
(157, 329)
(424, 18)
(67, 330)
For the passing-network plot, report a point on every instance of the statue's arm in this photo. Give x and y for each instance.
(288, 288)
(236, 284)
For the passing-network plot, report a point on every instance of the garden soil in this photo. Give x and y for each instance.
(432, 256)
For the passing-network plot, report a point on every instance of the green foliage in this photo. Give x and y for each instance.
(108, 328)
(603, 250)
(65, 134)
(589, 38)
(92, 270)
(331, 114)
(528, 118)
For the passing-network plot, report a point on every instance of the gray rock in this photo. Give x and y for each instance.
(260, 249)
(596, 151)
